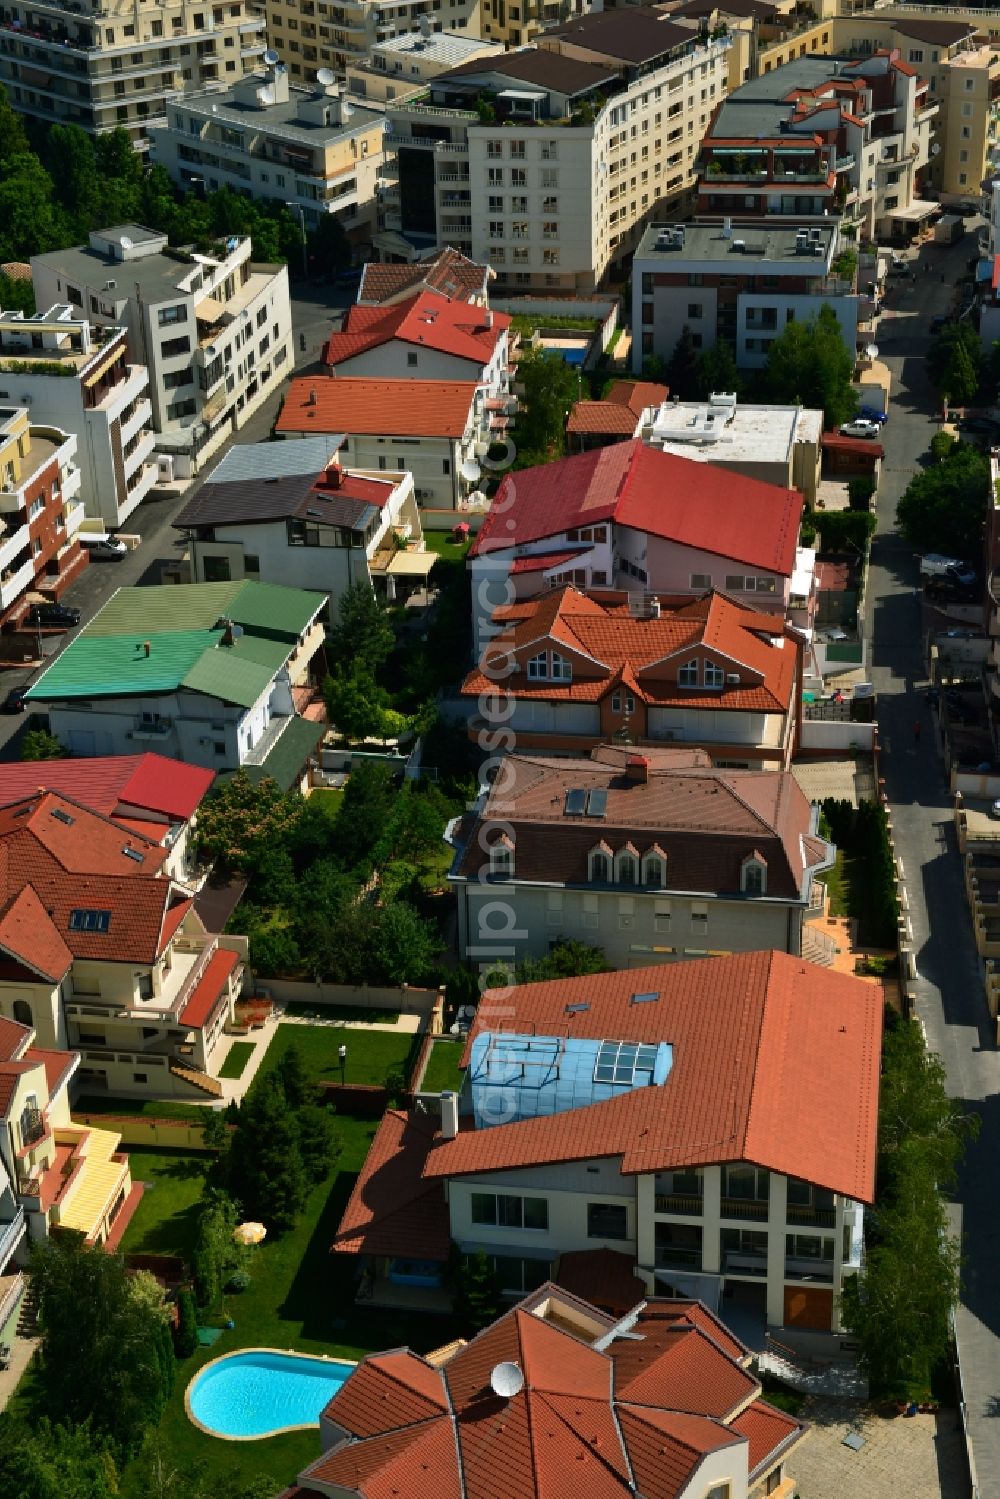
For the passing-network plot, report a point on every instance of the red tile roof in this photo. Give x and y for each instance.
(775, 1062)
(704, 820)
(27, 934)
(605, 1277)
(539, 562)
(767, 1430)
(620, 408)
(593, 1415)
(208, 988)
(601, 638)
(426, 320)
(391, 1209)
(691, 503)
(448, 271)
(13, 1039)
(10, 1075)
(59, 1066)
(151, 782)
(390, 408)
(861, 445)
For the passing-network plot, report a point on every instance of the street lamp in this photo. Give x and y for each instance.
(297, 208)
(342, 1054)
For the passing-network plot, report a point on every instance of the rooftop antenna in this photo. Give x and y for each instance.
(506, 1380)
(325, 77)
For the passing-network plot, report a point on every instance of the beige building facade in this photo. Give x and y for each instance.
(311, 34)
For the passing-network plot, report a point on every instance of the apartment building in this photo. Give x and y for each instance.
(340, 34)
(824, 136)
(422, 1426)
(104, 65)
(54, 1174)
(740, 281)
(308, 148)
(764, 33)
(637, 1111)
(433, 430)
(211, 673)
(629, 517)
(296, 521)
(651, 854)
(106, 952)
(593, 130)
(426, 336)
(214, 330)
(77, 376)
(402, 66)
(41, 512)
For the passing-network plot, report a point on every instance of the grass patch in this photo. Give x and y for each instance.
(443, 545)
(527, 322)
(780, 1395)
(164, 1221)
(371, 1055)
(344, 1014)
(237, 1058)
(137, 1108)
(838, 882)
(443, 1071)
(330, 797)
(300, 1297)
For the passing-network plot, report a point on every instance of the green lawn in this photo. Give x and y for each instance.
(443, 1071)
(444, 545)
(371, 1055)
(300, 1297)
(344, 1013)
(164, 1221)
(838, 882)
(237, 1058)
(330, 797)
(102, 1103)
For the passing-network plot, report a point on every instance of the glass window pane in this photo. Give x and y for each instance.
(536, 1212)
(484, 1207)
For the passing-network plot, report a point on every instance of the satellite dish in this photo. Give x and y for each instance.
(506, 1380)
(471, 470)
(936, 149)
(271, 57)
(872, 351)
(125, 242)
(325, 77)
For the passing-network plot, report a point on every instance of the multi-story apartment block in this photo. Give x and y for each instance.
(630, 517)
(211, 673)
(672, 1410)
(77, 375)
(545, 163)
(299, 517)
(104, 951)
(823, 136)
(742, 282)
(213, 330)
(54, 1174)
(101, 64)
(308, 148)
(651, 854)
(434, 430)
(340, 34)
(641, 1111)
(40, 511)
(403, 65)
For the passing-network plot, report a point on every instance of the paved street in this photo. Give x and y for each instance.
(949, 990)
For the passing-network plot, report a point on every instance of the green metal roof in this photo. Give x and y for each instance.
(285, 760)
(108, 658)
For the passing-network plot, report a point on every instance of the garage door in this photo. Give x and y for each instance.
(808, 1306)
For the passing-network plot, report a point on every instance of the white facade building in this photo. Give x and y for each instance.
(213, 330)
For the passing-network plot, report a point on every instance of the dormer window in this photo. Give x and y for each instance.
(599, 865)
(538, 667)
(714, 675)
(687, 676)
(654, 868)
(549, 666)
(627, 866)
(753, 875)
(561, 669)
(502, 859)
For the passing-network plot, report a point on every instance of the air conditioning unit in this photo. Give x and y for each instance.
(733, 678)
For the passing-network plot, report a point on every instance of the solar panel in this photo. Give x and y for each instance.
(597, 803)
(576, 802)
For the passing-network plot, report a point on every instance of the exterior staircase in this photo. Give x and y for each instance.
(811, 1376)
(200, 1081)
(27, 1317)
(817, 947)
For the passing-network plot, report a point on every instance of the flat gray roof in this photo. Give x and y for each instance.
(763, 241)
(440, 46)
(155, 275)
(276, 460)
(758, 107)
(278, 117)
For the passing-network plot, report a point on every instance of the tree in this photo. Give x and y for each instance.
(43, 1461)
(216, 1254)
(809, 364)
(567, 959)
(16, 296)
(363, 631)
(365, 810)
(943, 507)
(39, 744)
(681, 373)
(914, 1105)
(715, 370)
(956, 362)
(291, 1074)
(846, 530)
(551, 387)
(107, 1356)
(264, 1166)
(186, 1336)
(319, 1143)
(243, 820)
(358, 707)
(476, 1288)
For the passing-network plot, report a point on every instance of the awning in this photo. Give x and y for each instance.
(102, 369)
(915, 211)
(411, 564)
(209, 310)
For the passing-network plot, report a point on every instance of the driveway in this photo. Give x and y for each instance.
(949, 989)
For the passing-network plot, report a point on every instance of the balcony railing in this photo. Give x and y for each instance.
(677, 1259)
(809, 1269)
(745, 1262)
(10, 1234)
(812, 1216)
(738, 1207)
(681, 1203)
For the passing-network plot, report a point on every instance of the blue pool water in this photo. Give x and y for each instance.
(256, 1393)
(574, 357)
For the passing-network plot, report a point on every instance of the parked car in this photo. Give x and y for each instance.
(980, 424)
(900, 267)
(861, 427)
(60, 616)
(995, 811)
(107, 546)
(874, 414)
(14, 701)
(937, 565)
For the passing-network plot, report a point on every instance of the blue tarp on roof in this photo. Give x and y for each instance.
(515, 1077)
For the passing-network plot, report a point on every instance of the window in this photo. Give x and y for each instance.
(173, 346)
(699, 916)
(538, 667)
(618, 1062)
(654, 869)
(561, 669)
(495, 204)
(661, 916)
(627, 868)
(22, 1013)
(687, 676)
(496, 227)
(746, 1183)
(411, 360)
(216, 570)
(808, 1247)
(84, 920)
(518, 177)
(599, 871)
(714, 675)
(754, 877)
(501, 860)
(502, 1210)
(167, 315)
(618, 699)
(606, 1220)
(701, 580)
(694, 309)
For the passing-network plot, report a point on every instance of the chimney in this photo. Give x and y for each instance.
(147, 648)
(334, 475)
(449, 1115)
(489, 320)
(637, 770)
(228, 635)
(312, 396)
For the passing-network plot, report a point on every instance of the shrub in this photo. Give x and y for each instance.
(186, 1333)
(239, 1281)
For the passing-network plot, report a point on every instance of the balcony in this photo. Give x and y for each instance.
(137, 456)
(11, 1235)
(140, 416)
(70, 480)
(13, 583)
(811, 1217)
(809, 1270)
(744, 1209)
(679, 1205)
(669, 1258)
(744, 1262)
(12, 545)
(152, 728)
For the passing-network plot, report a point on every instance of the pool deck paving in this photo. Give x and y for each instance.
(919, 1457)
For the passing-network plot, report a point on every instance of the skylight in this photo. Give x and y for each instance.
(597, 803)
(134, 854)
(81, 920)
(644, 999)
(576, 802)
(619, 1061)
(63, 816)
(578, 1009)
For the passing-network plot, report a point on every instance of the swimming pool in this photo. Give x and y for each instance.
(260, 1391)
